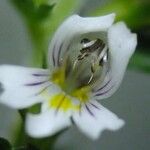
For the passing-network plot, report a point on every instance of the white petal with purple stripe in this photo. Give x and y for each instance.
(22, 86)
(94, 118)
(122, 44)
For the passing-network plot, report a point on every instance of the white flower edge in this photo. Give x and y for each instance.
(92, 121)
(20, 85)
(46, 123)
(92, 125)
(122, 44)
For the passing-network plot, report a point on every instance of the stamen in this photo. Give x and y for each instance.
(80, 57)
(103, 53)
(85, 40)
(75, 63)
(96, 47)
(92, 75)
(93, 71)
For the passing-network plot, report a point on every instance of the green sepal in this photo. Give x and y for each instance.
(31, 11)
(35, 109)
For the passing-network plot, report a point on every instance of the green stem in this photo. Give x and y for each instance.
(40, 43)
(23, 140)
(36, 18)
(43, 144)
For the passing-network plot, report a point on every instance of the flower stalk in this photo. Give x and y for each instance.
(24, 141)
(36, 16)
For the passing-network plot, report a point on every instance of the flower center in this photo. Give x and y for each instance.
(77, 77)
(69, 86)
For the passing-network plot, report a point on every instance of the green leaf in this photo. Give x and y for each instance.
(36, 15)
(44, 11)
(31, 11)
(31, 147)
(42, 19)
(62, 10)
(28, 147)
(134, 12)
(40, 2)
(4, 144)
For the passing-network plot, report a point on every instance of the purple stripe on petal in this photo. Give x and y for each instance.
(53, 55)
(36, 83)
(95, 106)
(72, 120)
(58, 56)
(42, 90)
(101, 88)
(103, 85)
(100, 94)
(39, 74)
(89, 111)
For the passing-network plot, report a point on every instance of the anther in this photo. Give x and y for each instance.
(92, 75)
(93, 71)
(85, 40)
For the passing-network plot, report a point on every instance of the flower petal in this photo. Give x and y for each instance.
(122, 44)
(21, 85)
(73, 27)
(94, 118)
(46, 124)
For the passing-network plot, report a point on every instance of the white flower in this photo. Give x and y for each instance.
(87, 60)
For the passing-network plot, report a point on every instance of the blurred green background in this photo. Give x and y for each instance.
(26, 27)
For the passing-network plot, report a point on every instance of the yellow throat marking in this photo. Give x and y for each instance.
(62, 102)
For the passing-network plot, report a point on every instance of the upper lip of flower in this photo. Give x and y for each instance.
(27, 86)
